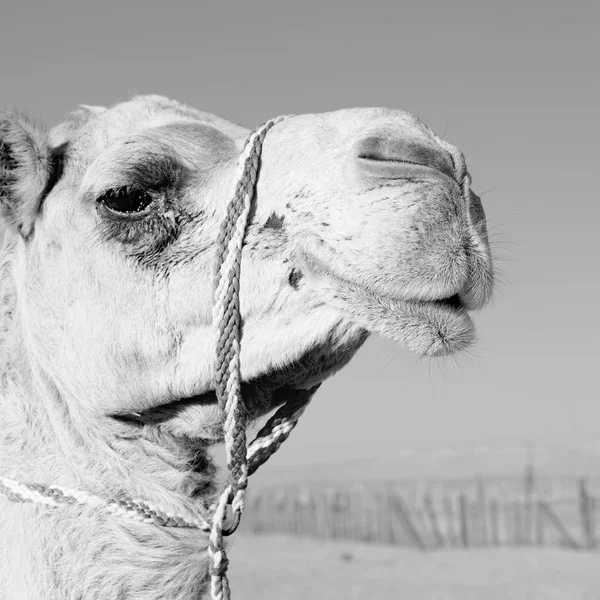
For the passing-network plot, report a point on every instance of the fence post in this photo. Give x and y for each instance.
(585, 511)
(364, 510)
(518, 522)
(592, 506)
(386, 525)
(432, 519)
(528, 492)
(463, 507)
(481, 513)
(493, 520)
(539, 523)
(449, 520)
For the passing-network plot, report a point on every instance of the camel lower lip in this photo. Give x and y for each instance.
(425, 327)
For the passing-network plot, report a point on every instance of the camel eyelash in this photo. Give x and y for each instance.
(126, 202)
(142, 222)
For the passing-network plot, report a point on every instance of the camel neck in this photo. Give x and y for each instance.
(78, 552)
(43, 441)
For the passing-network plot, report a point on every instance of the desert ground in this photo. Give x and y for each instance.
(277, 567)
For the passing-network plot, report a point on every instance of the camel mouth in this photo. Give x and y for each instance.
(259, 397)
(424, 326)
(161, 413)
(453, 302)
(261, 393)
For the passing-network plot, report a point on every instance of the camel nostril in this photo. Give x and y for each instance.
(392, 151)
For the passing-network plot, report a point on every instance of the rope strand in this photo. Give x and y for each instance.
(227, 318)
(55, 496)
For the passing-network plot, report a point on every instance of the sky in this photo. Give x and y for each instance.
(514, 84)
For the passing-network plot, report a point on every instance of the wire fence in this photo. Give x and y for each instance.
(520, 511)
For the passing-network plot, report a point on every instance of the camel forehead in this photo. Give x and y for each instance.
(156, 111)
(143, 114)
(155, 125)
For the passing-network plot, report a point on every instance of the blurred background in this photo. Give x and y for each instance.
(498, 447)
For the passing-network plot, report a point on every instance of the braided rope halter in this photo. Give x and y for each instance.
(242, 460)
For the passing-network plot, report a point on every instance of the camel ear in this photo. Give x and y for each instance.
(25, 170)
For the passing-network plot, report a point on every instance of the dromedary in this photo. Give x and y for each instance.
(362, 222)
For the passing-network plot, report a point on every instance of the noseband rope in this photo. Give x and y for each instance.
(242, 460)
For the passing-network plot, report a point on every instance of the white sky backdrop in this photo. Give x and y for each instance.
(516, 86)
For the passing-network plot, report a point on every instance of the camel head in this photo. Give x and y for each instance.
(361, 222)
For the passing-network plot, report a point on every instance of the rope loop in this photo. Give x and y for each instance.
(234, 503)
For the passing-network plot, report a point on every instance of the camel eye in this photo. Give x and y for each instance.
(126, 200)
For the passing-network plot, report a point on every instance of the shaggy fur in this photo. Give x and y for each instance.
(107, 345)
(26, 169)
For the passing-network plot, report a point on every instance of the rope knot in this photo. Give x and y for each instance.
(219, 565)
